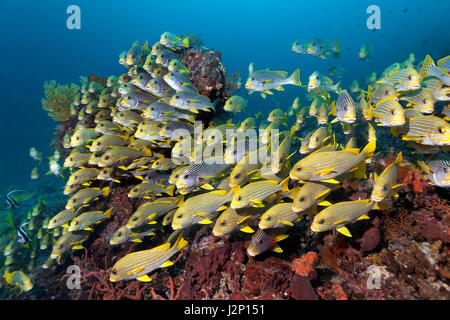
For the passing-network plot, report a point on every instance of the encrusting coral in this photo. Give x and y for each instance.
(58, 99)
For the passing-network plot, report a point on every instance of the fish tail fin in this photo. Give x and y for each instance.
(108, 213)
(370, 112)
(360, 172)
(427, 64)
(399, 158)
(295, 78)
(170, 190)
(337, 47)
(285, 185)
(8, 277)
(105, 191)
(423, 166)
(186, 42)
(180, 243)
(369, 149)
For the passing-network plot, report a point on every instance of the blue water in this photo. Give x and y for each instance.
(37, 46)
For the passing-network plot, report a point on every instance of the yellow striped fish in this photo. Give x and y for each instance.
(406, 79)
(83, 176)
(61, 218)
(319, 137)
(128, 118)
(146, 189)
(311, 194)
(314, 108)
(108, 127)
(85, 220)
(389, 113)
(248, 165)
(386, 181)
(322, 116)
(254, 193)
(301, 115)
(438, 89)
(421, 100)
(382, 92)
(231, 220)
(122, 156)
(278, 216)
(305, 142)
(325, 166)
(429, 69)
(198, 209)
(123, 234)
(108, 140)
(429, 130)
(340, 214)
(69, 189)
(68, 241)
(364, 107)
(136, 265)
(264, 240)
(344, 108)
(85, 196)
(282, 153)
(77, 159)
(371, 133)
(81, 137)
(150, 211)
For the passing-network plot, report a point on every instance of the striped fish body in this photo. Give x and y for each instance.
(150, 211)
(138, 100)
(264, 240)
(345, 109)
(198, 173)
(69, 189)
(421, 100)
(437, 171)
(172, 127)
(61, 218)
(123, 234)
(162, 111)
(278, 216)
(215, 135)
(429, 130)
(429, 69)
(364, 108)
(198, 209)
(386, 181)
(102, 115)
(192, 101)
(109, 140)
(248, 165)
(179, 81)
(327, 165)
(304, 149)
(86, 219)
(159, 87)
(310, 195)
(265, 80)
(81, 137)
(148, 131)
(322, 116)
(438, 89)
(389, 113)
(146, 189)
(164, 57)
(382, 92)
(281, 154)
(68, 241)
(128, 118)
(76, 159)
(319, 137)
(338, 215)
(314, 107)
(231, 220)
(406, 79)
(254, 193)
(137, 264)
(108, 127)
(85, 196)
(121, 156)
(141, 79)
(301, 115)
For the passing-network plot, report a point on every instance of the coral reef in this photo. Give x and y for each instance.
(58, 99)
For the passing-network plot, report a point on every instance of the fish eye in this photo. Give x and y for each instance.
(223, 223)
(441, 130)
(424, 101)
(134, 218)
(392, 112)
(113, 271)
(180, 215)
(105, 171)
(409, 78)
(135, 190)
(70, 159)
(77, 138)
(239, 198)
(237, 176)
(317, 77)
(299, 169)
(321, 221)
(384, 188)
(107, 157)
(99, 143)
(119, 234)
(76, 222)
(177, 97)
(121, 114)
(102, 125)
(302, 199)
(186, 176)
(253, 78)
(75, 177)
(268, 218)
(387, 92)
(74, 200)
(443, 86)
(231, 102)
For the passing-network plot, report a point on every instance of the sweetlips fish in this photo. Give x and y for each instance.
(19, 279)
(136, 53)
(430, 69)
(112, 81)
(388, 112)
(85, 196)
(247, 124)
(300, 46)
(421, 100)
(69, 241)
(438, 89)
(406, 79)
(138, 100)
(148, 212)
(61, 218)
(179, 81)
(265, 80)
(108, 127)
(278, 216)
(322, 114)
(198, 174)
(340, 214)
(365, 53)
(192, 101)
(386, 181)
(327, 165)
(321, 85)
(159, 87)
(172, 41)
(300, 117)
(128, 118)
(83, 136)
(146, 189)
(437, 171)
(177, 66)
(164, 57)
(282, 154)
(141, 80)
(231, 220)
(107, 141)
(35, 155)
(123, 234)
(122, 155)
(248, 166)
(102, 115)
(264, 240)
(69, 189)
(344, 108)
(318, 48)
(319, 137)
(157, 48)
(200, 208)
(35, 174)
(304, 149)
(163, 164)
(85, 220)
(235, 104)
(310, 195)
(136, 265)
(364, 107)
(428, 130)
(254, 193)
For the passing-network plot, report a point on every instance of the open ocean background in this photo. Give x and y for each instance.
(37, 46)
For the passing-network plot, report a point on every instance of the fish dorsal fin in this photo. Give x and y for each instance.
(344, 231)
(165, 246)
(219, 192)
(282, 73)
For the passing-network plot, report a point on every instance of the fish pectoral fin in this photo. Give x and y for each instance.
(325, 203)
(276, 248)
(88, 229)
(268, 92)
(152, 222)
(193, 110)
(363, 217)
(205, 221)
(344, 231)
(136, 240)
(398, 185)
(331, 181)
(166, 264)
(144, 278)
(207, 186)
(280, 88)
(394, 194)
(222, 208)
(326, 171)
(288, 223)
(247, 229)
(78, 247)
(200, 214)
(267, 81)
(263, 95)
(257, 203)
